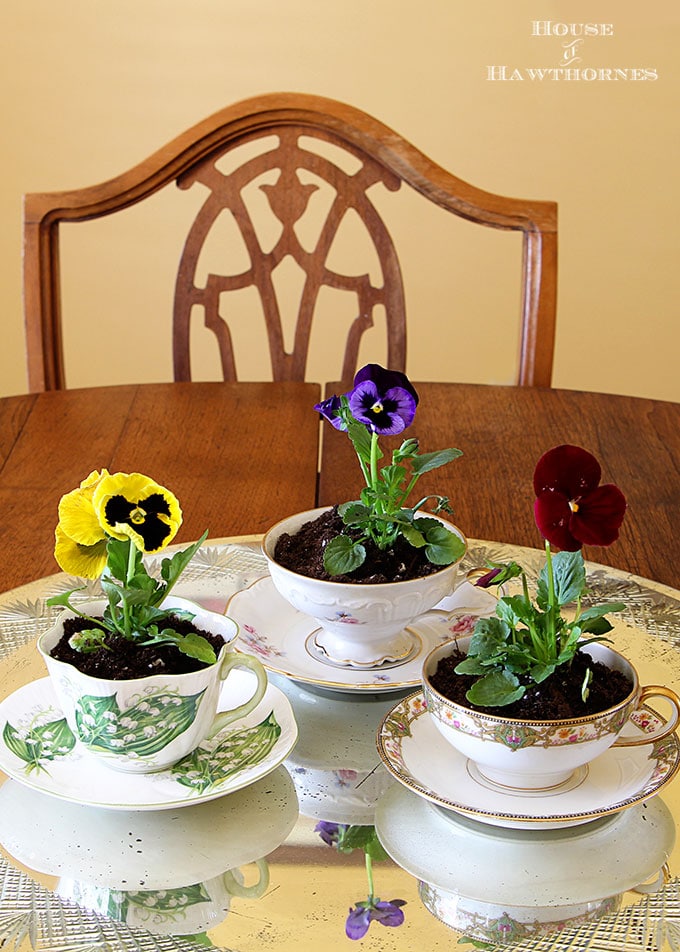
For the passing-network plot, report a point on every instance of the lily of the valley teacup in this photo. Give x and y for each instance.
(148, 724)
(360, 625)
(180, 910)
(524, 754)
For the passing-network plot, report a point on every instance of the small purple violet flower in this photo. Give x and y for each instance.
(329, 832)
(330, 410)
(364, 913)
(346, 838)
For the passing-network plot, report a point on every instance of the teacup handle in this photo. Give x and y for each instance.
(236, 660)
(256, 890)
(654, 690)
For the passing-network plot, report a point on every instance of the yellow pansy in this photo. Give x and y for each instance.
(77, 515)
(85, 561)
(132, 506)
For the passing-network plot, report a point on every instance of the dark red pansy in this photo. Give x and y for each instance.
(572, 509)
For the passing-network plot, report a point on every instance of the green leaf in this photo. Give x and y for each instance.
(172, 568)
(206, 767)
(342, 555)
(413, 536)
(496, 689)
(592, 620)
(354, 513)
(470, 666)
(569, 574)
(360, 436)
(443, 546)
(117, 557)
(514, 609)
(597, 627)
(64, 598)
(542, 671)
(428, 461)
(407, 450)
(489, 635)
(195, 646)
(88, 640)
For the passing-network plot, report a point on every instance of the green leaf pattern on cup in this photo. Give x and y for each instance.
(206, 767)
(39, 743)
(160, 905)
(142, 729)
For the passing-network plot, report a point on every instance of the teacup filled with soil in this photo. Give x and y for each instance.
(543, 739)
(362, 618)
(141, 709)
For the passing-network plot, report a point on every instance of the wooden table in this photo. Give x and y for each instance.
(238, 457)
(504, 430)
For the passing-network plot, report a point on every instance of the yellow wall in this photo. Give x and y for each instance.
(92, 86)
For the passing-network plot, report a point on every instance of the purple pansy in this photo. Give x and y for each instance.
(361, 916)
(571, 508)
(329, 832)
(487, 580)
(384, 400)
(330, 410)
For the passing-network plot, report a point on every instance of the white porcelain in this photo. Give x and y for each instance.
(38, 749)
(534, 755)
(148, 724)
(335, 767)
(420, 758)
(183, 910)
(361, 625)
(283, 638)
(499, 885)
(135, 866)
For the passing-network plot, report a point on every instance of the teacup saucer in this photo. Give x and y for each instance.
(38, 750)
(419, 757)
(283, 638)
(518, 867)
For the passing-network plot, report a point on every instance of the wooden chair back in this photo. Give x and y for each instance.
(288, 122)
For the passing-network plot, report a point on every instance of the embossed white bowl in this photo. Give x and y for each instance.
(360, 625)
(526, 754)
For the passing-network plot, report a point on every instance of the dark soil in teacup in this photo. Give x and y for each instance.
(123, 659)
(303, 553)
(558, 697)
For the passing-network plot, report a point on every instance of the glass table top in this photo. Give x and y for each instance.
(251, 869)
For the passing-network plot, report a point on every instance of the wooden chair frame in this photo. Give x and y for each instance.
(263, 115)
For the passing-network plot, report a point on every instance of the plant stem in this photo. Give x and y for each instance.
(551, 598)
(369, 875)
(375, 479)
(129, 574)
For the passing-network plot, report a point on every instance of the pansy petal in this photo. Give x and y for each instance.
(330, 410)
(567, 469)
(385, 380)
(357, 923)
(329, 832)
(388, 412)
(389, 913)
(78, 518)
(599, 516)
(84, 561)
(132, 506)
(553, 518)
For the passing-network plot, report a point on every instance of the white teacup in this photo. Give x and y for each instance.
(147, 724)
(360, 625)
(529, 755)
